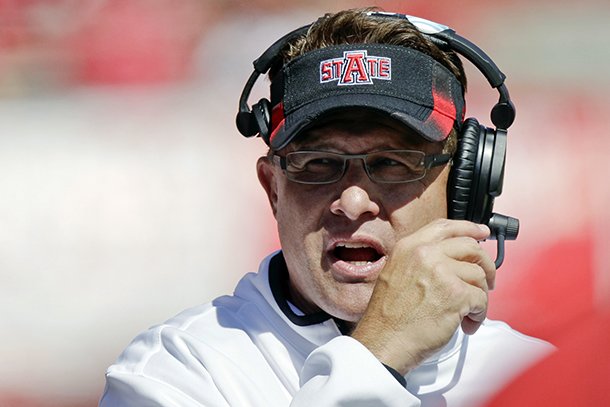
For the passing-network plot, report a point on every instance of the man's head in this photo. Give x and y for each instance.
(340, 210)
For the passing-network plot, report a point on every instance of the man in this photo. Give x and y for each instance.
(376, 298)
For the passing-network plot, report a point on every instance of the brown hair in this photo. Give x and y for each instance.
(354, 26)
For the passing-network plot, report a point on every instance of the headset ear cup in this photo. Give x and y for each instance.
(262, 116)
(464, 172)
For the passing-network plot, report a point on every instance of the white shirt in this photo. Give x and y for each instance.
(253, 349)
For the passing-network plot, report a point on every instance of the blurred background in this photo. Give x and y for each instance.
(127, 195)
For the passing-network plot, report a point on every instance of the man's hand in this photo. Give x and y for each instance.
(434, 281)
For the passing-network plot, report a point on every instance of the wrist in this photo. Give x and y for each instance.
(397, 375)
(392, 355)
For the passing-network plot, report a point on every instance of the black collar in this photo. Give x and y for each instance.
(278, 281)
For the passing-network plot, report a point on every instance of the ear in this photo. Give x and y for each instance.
(268, 178)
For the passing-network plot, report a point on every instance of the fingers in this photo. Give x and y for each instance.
(478, 312)
(474, 297)
(441, 229)
(454, 247)
(469, 291)
(468, 251)
(469, 326)
(473, 266)
(446, 240)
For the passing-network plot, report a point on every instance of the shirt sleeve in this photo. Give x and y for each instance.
(343, 372)
(127, 389)
(167, 367)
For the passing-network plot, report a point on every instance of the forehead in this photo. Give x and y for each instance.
(358, 131)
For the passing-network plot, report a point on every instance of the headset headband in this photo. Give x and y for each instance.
(502, 114)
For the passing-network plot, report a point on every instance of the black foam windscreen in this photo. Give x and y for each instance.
(246, 124)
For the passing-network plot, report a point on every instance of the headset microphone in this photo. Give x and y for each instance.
(502, 228)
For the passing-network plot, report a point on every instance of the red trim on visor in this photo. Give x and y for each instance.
(277, 120)
(444, 113)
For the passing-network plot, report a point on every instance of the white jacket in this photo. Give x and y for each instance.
(253, 349)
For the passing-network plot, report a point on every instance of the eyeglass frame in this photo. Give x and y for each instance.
(429, 161)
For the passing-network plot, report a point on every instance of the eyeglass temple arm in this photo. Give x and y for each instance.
(281, 159)
(435, 160)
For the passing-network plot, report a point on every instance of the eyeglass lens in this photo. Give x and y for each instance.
(384, 166)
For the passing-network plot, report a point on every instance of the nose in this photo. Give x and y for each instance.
(353, 203)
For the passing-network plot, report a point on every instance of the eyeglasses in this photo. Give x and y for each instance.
(388, 167)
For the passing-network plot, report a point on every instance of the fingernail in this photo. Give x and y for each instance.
(484, 228)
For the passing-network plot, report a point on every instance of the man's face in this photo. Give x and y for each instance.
(336, 237)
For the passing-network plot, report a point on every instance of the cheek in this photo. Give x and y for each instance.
(299, 211)
(435, 196)
(426, 203)
(296, 205)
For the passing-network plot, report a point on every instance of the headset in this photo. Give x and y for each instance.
(477, 172)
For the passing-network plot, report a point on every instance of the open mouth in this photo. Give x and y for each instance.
(358, 254)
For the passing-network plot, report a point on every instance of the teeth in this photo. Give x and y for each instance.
(353, 245)
(360, 263)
